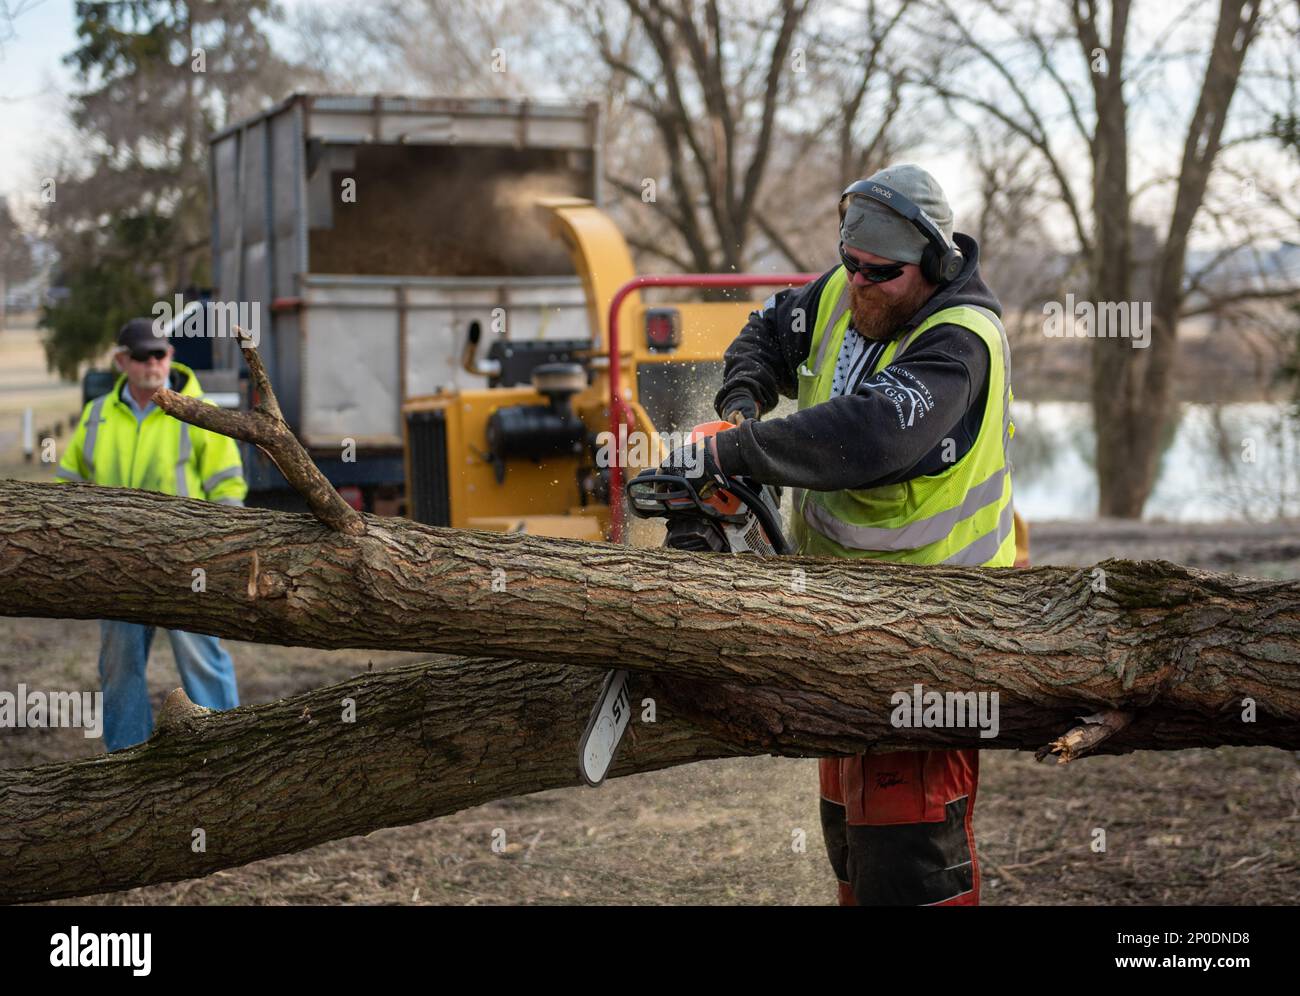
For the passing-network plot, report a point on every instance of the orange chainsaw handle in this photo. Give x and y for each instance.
(706, 429)
(724, 501)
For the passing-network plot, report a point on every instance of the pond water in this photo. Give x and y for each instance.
(1234, 461)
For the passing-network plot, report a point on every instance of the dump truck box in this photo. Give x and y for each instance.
(366, 234)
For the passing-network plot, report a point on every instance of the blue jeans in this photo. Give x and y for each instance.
(206, 670)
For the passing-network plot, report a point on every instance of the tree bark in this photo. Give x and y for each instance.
(427, 740)
(1180, 648)
(1121, 415)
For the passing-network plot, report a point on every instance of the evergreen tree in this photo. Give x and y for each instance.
(131, 224)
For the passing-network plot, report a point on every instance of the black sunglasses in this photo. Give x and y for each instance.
(877, 273)
(145, 356)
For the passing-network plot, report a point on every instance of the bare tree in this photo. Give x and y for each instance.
(853, 108)
(1074, 64)
(836, 112)
(1018, 255)
(487, 48)
(713, 114)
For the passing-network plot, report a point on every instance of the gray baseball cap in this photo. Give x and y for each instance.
(869, 226)
(138, 335)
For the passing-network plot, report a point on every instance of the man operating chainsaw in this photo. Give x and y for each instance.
(898, 452)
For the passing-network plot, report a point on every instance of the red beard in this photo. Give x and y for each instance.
(876, 316)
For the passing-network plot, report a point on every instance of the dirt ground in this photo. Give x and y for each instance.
(1190, 827)
(1201, 827)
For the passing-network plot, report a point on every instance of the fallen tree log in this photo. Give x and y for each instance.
(427, 740)
(423, 741)
(1201, 659)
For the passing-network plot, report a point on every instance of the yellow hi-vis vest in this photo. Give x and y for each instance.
(159, 453)
(962, 515)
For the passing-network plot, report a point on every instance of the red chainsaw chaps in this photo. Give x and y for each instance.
(904, 788)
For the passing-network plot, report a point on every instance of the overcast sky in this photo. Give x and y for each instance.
(33, 85)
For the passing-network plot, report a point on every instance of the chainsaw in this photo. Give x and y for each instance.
(740, 517)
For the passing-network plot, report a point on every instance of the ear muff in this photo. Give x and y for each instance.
(940, 261)
(941, 267)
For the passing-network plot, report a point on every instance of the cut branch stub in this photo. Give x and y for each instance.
(265, 427)
(1083, 739)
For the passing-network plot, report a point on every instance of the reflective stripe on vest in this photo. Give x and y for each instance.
(921, 532)
(223, 475)
(987, 546)
(92, 433)
(841, 306)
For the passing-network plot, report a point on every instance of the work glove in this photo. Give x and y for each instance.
(738, 406)
(695, 463)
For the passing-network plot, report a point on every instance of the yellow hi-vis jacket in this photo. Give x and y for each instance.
(962, 515)
(157, 453)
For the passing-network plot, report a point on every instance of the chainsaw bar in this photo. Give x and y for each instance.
(605, 729)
